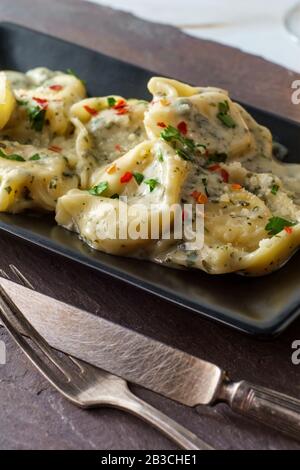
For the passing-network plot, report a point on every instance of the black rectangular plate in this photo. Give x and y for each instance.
(262, 306)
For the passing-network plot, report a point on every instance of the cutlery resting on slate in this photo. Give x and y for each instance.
(151, 364)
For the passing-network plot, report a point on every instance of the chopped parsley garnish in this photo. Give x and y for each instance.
(183, 154)
(36, 156)
(111, 101)
(184, 147)
(170, 133)
(204, 182)
(224, 116)
(138, 177)
(223, 107)
(99, 188)
(8, 189)
(71, 72)
(152, 183)
(12, 156)
(160, 156)
(22, 102)
(217, 158)
(274, 189)
(277, 224)
(36, 117)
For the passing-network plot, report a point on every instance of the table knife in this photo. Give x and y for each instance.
(168, 371)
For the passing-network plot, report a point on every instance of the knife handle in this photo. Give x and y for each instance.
(184, 438)
(271, 408)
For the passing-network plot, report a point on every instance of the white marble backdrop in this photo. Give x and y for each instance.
(255, 26)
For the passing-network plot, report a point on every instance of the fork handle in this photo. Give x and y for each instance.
(271, 408)
(184, 438)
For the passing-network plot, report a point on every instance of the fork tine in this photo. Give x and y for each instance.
(8, 307)
(20, 276)
(4, 274)
(78, 363)
(26, 283)
(27, 348)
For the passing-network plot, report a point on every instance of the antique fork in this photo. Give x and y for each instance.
(83, 384)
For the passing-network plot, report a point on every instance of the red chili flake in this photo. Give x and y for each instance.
(288, 230)
(161, 124)
(224, 175)
(126, 177)
(92, 111)
(202, 199)
(120, 104)
(41, 101)
(118, 147)
(55, 148)
(215, 167)
(236, 186)
(199, 197)
(195, 194)
(182, 127)
(121, 107)
(122, 111)
(56, 87)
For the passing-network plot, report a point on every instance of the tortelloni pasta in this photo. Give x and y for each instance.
(31, 180)
(124, 198)
(43, 101)
(113, 169)
(7, 100)
(112, 126)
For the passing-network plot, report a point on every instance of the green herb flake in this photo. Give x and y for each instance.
(13, 156)
(277, 224)
(184, 147)
(36, 117)
(184, 155)
(115, 196)
(227, 120)
(8, 189)
(223, 107)
(99, 188)
(111, 101)
(36, 156)
(170, 133)
(217, 158)
(274, 189)
(139, 178)
(22, 102)
(204, 182)
(152, 183)
(160, 156)
(224, 116)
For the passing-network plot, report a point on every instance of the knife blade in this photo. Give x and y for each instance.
(149, 363)
(117, 349)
